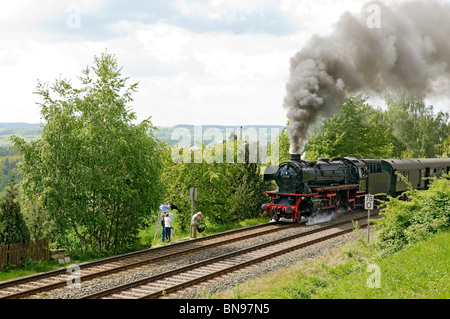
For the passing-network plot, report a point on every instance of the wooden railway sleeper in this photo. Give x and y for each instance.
(221, 259)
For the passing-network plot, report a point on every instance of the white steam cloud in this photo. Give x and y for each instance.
(403, 46)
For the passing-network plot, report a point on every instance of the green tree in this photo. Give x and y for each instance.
(8, 165)
(247, 192)
(356, 130)
(13, 228)
(446, 147)
(283, 144)
(2, 177)
(416, 131)
(226, 191)
(96, 173)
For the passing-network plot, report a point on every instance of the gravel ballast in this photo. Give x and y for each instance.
(213, 286)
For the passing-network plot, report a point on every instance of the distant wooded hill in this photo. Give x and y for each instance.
(25, 130)
(164, 133)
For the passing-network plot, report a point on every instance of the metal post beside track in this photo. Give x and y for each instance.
(368, 204)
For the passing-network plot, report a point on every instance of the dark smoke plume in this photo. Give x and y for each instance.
(409, 51)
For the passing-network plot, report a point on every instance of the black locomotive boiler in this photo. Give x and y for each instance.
(307, 187)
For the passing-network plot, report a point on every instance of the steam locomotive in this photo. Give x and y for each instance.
(308, 187)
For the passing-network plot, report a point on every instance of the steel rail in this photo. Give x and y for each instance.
(167, 274)
(63, 270)
(144, 261)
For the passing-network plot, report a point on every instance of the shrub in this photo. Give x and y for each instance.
(424, 212)
(13, 228)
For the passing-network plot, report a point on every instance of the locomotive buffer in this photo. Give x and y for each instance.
(368, 204)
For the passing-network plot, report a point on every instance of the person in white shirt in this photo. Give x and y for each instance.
(171, 218)
(168, 225)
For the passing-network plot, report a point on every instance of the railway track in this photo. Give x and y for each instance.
(161, 284)
(50, 280)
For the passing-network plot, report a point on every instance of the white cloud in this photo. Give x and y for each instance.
(223, 77)
(217, 76)
(221, 8)
(318, 16)
(25, 62)
(220, 77)
(19, 16)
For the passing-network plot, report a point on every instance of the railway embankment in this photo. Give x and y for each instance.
(356, 270)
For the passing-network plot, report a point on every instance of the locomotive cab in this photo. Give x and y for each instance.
(358, 171)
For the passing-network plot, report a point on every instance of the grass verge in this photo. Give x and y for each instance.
(29, 269)
(357, 271)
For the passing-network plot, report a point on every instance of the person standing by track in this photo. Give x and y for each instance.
(171, 220)
(168, 224)
(164, 208)
(196, 219)
(163, 228)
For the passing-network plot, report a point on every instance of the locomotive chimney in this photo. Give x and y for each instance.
(295, 157)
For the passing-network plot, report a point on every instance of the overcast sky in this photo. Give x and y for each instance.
(197, 62)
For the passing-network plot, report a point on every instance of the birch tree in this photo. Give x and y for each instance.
(96, 173)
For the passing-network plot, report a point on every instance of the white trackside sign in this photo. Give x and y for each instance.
(368, 201)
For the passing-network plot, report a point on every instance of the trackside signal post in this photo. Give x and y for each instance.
(368, 204)
(193, 198)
